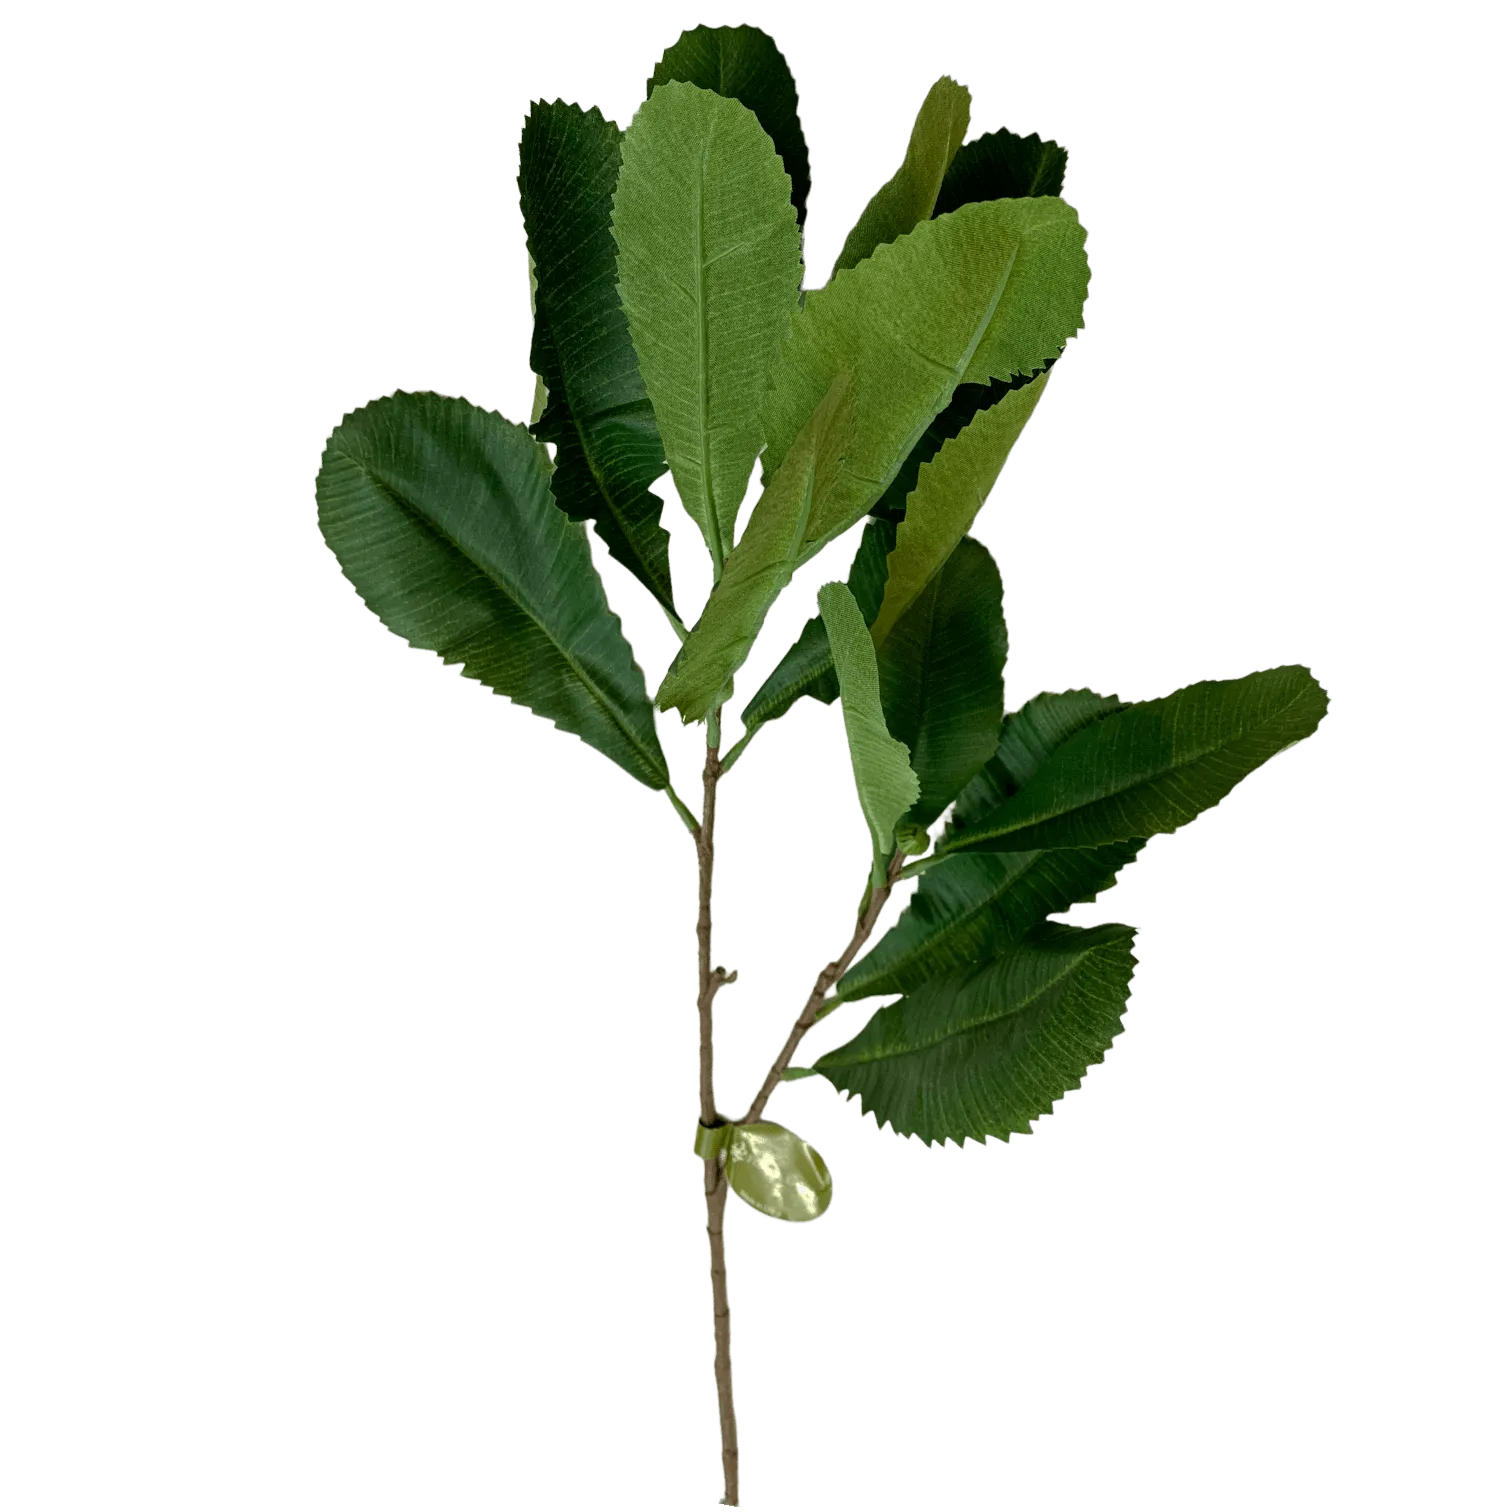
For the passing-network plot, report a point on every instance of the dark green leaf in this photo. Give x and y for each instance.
(983, 1052)
(1026, 739)
(1151, 767)
(597, 413)
(743, 63)
(1001, 165)
(808, 666)
(941, 673)
(441, 516)
(969, 907)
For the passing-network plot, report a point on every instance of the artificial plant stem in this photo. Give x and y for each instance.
(733, 754)
(710, 980)
(917, 868)
(683, 811)
(822, 984)
(706, 987)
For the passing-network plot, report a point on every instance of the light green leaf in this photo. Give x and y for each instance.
(941, 677)
(908, 197)
(965, 404)
(992, 291)
(761, 566)
(1001, 165)
(970, 906)
(808, 666)
(709, 271)
(885, 782)
(982, 1053)
(775, 1171)
(1151, 767)
(441, 516)
(743, 63)
(951, 489)
(591, 402)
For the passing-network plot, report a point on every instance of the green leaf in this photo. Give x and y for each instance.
(538, 403)
(912, 839)
(1025, 741)
(808, 666)
(441, 516)
(885, 782)
(1151, 767)
(908, 197)
(775, 1171)
(761, 566)
(1001, 165)
(941, 676)
(709, 271)
(596, 410)
(992, 291)
(983, 1053)
(952, 488)
(743, 63)
(968, 401)
(969, 907)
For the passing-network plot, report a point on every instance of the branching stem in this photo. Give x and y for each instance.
(822, 984)
(710, 979)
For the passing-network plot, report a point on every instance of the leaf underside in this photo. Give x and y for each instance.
(908, 197)
(993, 291)
(885, 783)
(762, 564)
(808, 667)
(743, 63)
(709, 270)
(952, 488)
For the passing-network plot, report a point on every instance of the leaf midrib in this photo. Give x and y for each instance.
(652, 767)
(918, 1047)
(711, 515)
(967, 837)
(957, 372)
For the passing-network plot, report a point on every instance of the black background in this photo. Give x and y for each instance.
(496, 1069)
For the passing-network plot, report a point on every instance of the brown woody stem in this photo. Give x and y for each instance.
(710, 980)
(822, 984)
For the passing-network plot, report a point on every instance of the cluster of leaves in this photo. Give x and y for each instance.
(672, 331)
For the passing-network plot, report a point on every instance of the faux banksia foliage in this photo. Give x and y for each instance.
(673, 332)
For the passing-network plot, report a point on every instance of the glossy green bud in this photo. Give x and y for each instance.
(912, 839)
